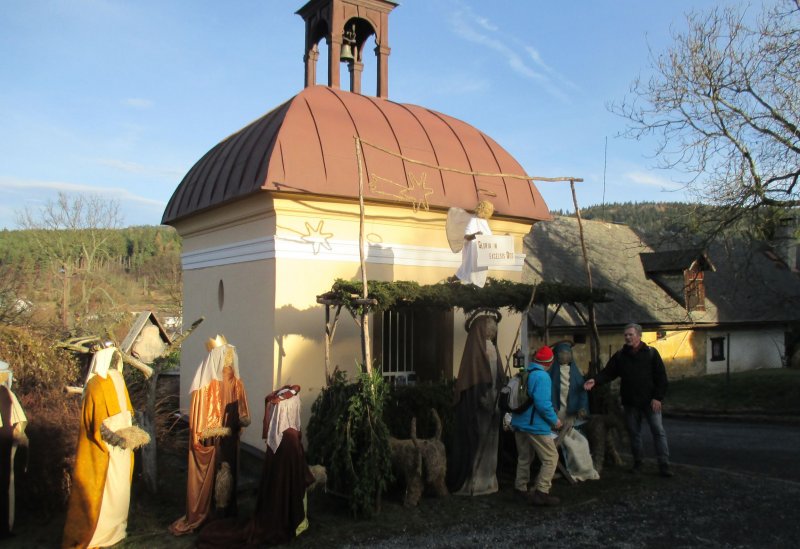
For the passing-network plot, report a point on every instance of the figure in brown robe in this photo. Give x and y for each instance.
(280, 513)
(217, 414)
(472, 461)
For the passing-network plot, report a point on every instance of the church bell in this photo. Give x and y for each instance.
(346, 54)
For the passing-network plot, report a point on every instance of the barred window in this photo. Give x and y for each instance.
(414, 345)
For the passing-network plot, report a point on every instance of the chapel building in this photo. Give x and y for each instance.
(270, 218)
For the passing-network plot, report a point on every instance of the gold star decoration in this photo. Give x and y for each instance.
(316, 237)
(416, 191)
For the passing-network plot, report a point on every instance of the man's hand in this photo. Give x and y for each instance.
(588, 385)
(558, 425)
(656, 405)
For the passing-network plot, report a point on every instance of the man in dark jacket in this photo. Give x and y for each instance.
(643, 387)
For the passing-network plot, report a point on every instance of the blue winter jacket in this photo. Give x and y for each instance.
(544, 417)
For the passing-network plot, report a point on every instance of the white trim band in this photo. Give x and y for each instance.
(273, 247)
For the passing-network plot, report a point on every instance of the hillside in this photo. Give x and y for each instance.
(662, 224)
(75, 278)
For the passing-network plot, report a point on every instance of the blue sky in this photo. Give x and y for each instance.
(122, 98)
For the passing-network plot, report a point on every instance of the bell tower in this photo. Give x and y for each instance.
(346, 25)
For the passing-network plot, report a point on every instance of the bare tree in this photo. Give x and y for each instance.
(164, 269)
(724, 105)
(73, 233)
(14, 308)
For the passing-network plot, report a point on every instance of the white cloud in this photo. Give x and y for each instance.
(464, 23)
(137, 103)
(643, 178)
(121, 194)
(139, 169)
(486, 24)
(478, 29)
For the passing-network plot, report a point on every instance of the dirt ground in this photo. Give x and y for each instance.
(699, 507)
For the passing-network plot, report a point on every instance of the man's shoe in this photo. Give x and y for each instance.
(522, 495)
(637, 468)
(540, 499)
(664, 470)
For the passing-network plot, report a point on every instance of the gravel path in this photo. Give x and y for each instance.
(696, 508)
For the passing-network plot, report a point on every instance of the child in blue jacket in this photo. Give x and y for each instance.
(533, 431)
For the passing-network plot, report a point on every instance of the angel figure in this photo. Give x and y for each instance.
(462, 228)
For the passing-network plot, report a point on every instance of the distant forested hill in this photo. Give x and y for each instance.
(130, 247)
(89, 274)
(665, 224)
(648, 219)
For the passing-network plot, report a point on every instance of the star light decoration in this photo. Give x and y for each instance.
(316, 237)
(417, 191)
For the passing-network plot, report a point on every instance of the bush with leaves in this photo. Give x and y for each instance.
(40, 374)
(347, 434)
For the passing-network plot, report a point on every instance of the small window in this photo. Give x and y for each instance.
(414, 346)
(694, 290)
(717, 348)
(220, 295)
(579, 339)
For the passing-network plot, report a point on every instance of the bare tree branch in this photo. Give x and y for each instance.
(724, 106)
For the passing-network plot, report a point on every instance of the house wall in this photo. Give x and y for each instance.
(687, 353)
(228, 279)
(749, 349)
(683, 351)
(274, 255)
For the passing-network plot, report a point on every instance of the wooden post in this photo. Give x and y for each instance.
(147, 421)
(330, 331)
(327, 343)
(595, 347)
(365, 342)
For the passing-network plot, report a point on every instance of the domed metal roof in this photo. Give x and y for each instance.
(307, 146)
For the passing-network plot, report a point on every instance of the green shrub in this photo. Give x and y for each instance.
(347, 434)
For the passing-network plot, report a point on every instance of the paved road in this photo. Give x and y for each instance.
(771, 450)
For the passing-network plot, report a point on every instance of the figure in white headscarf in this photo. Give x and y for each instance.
(218, 413)
(12, 435)
(571, 404)
(97, 512)
(462, 228)
(280, 513)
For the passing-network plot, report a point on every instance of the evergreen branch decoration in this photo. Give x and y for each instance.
(404, 294)
(348, 435)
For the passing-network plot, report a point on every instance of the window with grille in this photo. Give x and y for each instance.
(414, 345)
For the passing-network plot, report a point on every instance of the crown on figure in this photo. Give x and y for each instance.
(473, 315)
(214, 342)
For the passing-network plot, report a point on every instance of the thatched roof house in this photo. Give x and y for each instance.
(688, 299)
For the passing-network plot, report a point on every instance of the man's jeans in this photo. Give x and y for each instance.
(633, 420)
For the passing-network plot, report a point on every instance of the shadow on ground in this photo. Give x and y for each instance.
(697, 508)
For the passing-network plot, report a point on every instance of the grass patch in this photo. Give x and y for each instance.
(769, 391)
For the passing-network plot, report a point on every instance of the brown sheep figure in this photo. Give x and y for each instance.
(420, 463)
